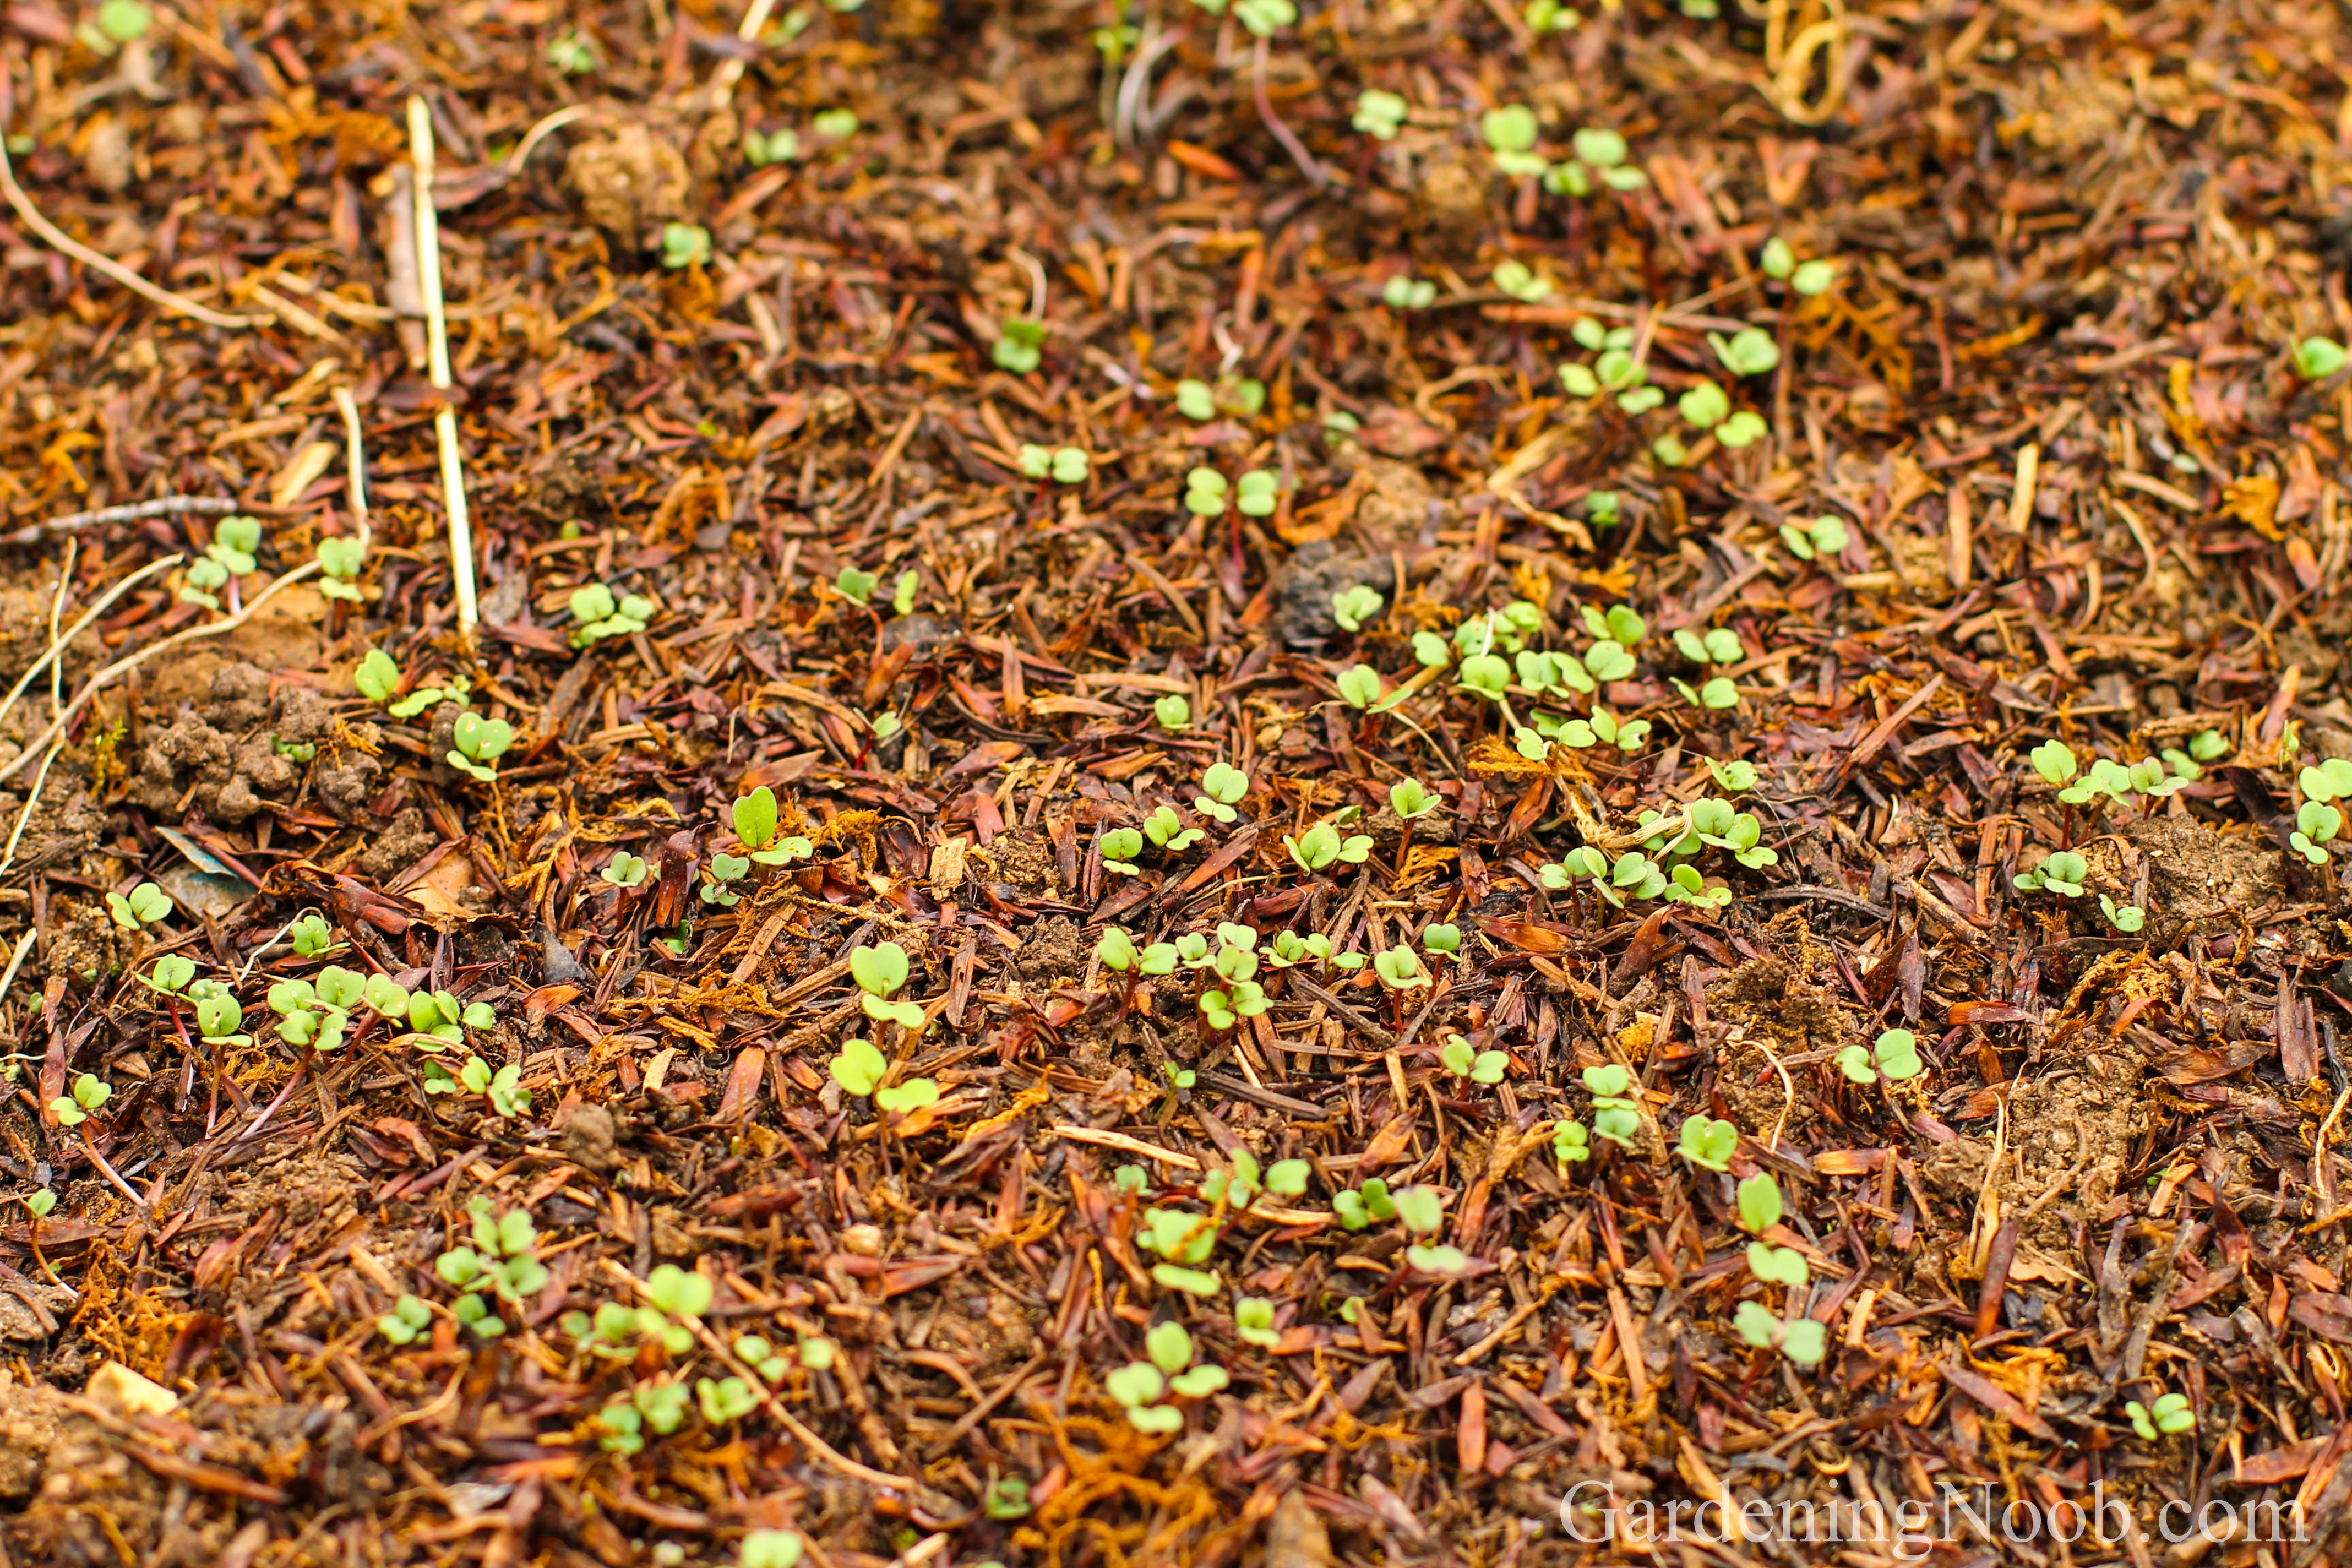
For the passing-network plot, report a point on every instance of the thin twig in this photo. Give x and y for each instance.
(125, 665)
(354, 459)
(1282, 133)
(61, 240)
(436, 340)
(57, 645)
(136, 511)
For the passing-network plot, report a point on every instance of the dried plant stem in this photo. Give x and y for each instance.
(57, 645)
(125, 665)
(436, 351)
(134, 511)
(354, 459)
(62, 241)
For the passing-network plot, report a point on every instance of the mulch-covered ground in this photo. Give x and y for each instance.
(1232, 788)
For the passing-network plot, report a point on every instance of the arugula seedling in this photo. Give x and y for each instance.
(2316, 358)
(1709, 1143)
(1801, 1339)
(2170, 1414)
(480, 742)
(2062, 872)
(880, 970)
(597, 614)
(88, 1093)
(1321, 846)
(625, 870)
(1352, 606)
(144, 905)
(756, 820)
(1380, 115)
(683, 244)
(1510, 134)
(1403, 291)
(1172, 712)
(1479, 1066)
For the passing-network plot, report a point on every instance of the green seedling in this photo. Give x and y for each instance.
(1195, 400)
(756, 820)
(1021, 348)
(724, 869)
(625, 870)
(1206, 492)
(1167, 830)
(902, 594)
(858, 1067)
(170, 975)
(1321, 846)
(854, 586)
(1510, 136)
(771, 1548)
(760, 1356)
(480, 742)
(408, 1321)
(1063, 465)
(2316, 358)
(340, 561)
(597, 614)
(1600, 153)
(376, 676)
(1441, 938)
(503, 1087)
(571, 53)
(1750, 351)
(1522, 282)
(1380, 115)
(219, 1017)
(2331, 780)
(2126, 918)
(840, 125)
(1364, 1206)
(1173, 711)
(1572, 1143)
(1709, 1143)
(2062, 872)
(1545, 18)
(1896, 1053)
(1222, 1009)
(1430, 650)
(1479, 1066)
(1616, 1117)
(144, 905)
(1120, 846)
(1686, 885)
(781, 146)
(724, 1399)
(879, 972)
(1778, 1265)
(1253, 1321)
(1760, 1204)
(311, 935)
(1352, 606)
(1719, 646)
(88, 1094)
(1822, 539)
(683, 244)
(2054, 760)
(1398, 969)
(1359, 687)
(1404, 292)
(1410, 801)
(2316, 825)
(1006, 1499)
(678, 1292)
(1737, 777)
(1801, 1339)
(2170, 1414)
(1257, 493)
